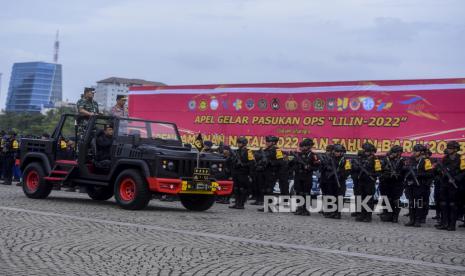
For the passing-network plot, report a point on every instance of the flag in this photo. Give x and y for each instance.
(198, 143)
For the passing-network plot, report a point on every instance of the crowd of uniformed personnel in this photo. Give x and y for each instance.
(255, 174)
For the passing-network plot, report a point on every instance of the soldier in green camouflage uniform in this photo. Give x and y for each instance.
(86, 107)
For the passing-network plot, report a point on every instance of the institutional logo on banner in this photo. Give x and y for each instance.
(342, 104)
(237, 104)
(249, 104)
(192, 105)
(214, 104)
(203, 105)
(368, 103)
(383, 105)
(331, 104)
(224, 103)
(319, 104)
(355, 104)
(291, 104)
(262, 104)
(275, 104)
(306, 105)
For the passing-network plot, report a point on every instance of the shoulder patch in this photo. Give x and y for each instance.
(377, 165)
(348, 165)
(428, 165)
(250, 156)
(62, 144)
(279, 154)
(15, 145)
(462, 163)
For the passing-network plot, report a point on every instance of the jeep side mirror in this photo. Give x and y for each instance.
(136, 139)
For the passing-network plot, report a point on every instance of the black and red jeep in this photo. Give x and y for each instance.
(147, 158)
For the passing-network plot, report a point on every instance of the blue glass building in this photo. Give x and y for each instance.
(34, 86)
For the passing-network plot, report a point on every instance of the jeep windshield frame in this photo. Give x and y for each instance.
(149, 130)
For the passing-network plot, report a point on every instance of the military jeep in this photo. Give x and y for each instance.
(147, 158)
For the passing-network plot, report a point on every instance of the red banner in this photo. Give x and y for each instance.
(385, 113)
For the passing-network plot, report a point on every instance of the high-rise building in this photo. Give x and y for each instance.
(34, 86)
(107, 90)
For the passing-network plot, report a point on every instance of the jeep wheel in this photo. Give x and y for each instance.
(99, 192)
(34, 185)
(131, 190)
(197, 202)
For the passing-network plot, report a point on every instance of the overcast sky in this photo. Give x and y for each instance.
(235, 41)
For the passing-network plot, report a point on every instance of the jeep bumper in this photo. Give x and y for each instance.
(179, 186)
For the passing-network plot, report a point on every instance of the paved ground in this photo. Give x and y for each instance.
(69, 234)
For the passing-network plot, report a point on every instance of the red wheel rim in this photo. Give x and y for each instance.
(32, 181)
(127, 189)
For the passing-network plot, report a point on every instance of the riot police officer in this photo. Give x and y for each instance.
(452, 173)
(10, 148)
(391, 182)
(334, 172)
(303, 165)
(323, 157)
(274, 162)
(366, 169)
(418, 172)
(243, 161)
(261, 163)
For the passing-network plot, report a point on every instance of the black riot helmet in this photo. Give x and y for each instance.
(269, 138)
(339, 148)
(367, 147)
(419, 148)
(329, 148)
(307, 142)
(396, 149)
(242, 140)
(453, 145)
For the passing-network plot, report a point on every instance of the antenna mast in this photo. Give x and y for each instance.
(57, 48)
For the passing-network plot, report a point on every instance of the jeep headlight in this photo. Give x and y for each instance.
(168, 165)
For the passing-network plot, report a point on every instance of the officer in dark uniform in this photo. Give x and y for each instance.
(274, 160)
(366, 169)
(335, 170)
(428, 154)
(356, 186)
(10, 148)
(104, 142)
(2, 157)
(242, 166)
(452, 172)
(391, 183)
(261, 163)
(226, 152)
(323, 157)
(303, 165)
(418, 172)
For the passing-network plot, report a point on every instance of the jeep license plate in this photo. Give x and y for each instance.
(200, 183)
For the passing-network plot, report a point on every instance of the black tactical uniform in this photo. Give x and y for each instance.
(356, 186)
(261, 162)
(366, 169)
(323, 157)
(452, 174)
(274, 163)
(334, 172)
(303, 165)
(391, 182)
(10, 148)
(225, 171)
(2, 158)
(418, 172)
(243, 162)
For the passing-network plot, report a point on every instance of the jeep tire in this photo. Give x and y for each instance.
(197, 202)
(34, 184)
(131, 190)
(100, 192)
